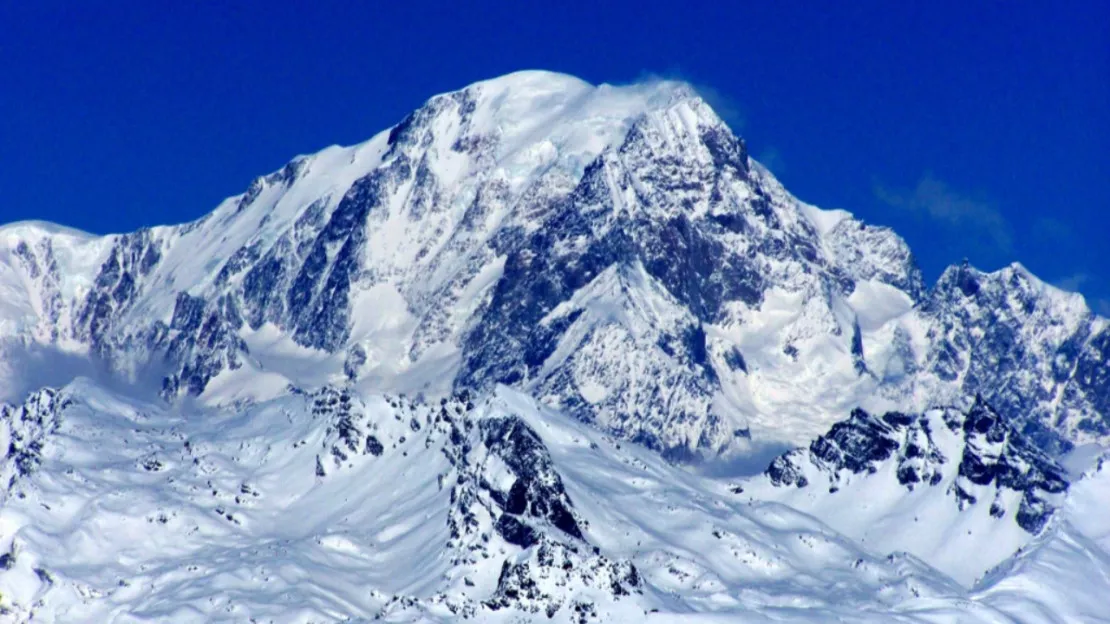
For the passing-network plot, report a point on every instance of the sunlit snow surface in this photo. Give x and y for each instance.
(386, 261)
(290, 410)
(139, 512)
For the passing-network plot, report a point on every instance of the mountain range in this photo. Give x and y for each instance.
(516, 358)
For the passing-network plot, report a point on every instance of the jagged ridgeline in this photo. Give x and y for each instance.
(611, 250)
(461, 370)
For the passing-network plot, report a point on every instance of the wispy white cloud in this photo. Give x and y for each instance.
(936, 200)
(1052, 230)
(726, 106)
(1072, 282)
(771, 158)
(1102, 307)
(1083, 281)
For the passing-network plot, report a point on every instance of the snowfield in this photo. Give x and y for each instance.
(543, 351)
(135, 511)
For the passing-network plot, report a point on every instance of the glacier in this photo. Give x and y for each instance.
(506, 359)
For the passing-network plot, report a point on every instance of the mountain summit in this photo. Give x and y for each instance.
(612, 250)
(525, 251)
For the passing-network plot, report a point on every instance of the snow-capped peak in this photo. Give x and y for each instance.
(346, 344)
(403, 261)
(35, 229)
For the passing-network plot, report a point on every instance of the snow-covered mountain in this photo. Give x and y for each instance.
(327, 505)
(460, 368)
(938, 485)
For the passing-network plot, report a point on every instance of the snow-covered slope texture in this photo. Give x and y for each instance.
(333, 505)
(1072, 550)
(450, 372)
(939, 485)
(612, 250)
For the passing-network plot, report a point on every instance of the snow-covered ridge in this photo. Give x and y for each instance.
(39, 229)
(449, 372)
(934, 484)
(425, 259)
(331, 505)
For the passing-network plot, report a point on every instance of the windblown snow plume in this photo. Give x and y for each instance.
(495, 364)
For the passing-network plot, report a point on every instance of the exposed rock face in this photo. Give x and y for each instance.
(332, 349)
(996, 454)
(403, 508)
(504, 492)
(1038, 355)
(974, 454)
(24, 429)
(613, 251)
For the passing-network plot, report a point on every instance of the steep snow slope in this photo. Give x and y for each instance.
(331, 505)
(1051, 581)
(1062, 561)
(451, 371)
(938, 485)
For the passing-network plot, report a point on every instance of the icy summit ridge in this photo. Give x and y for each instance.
(408, 371)
(453, 251)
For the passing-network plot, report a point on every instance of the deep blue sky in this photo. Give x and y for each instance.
(979, 132)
